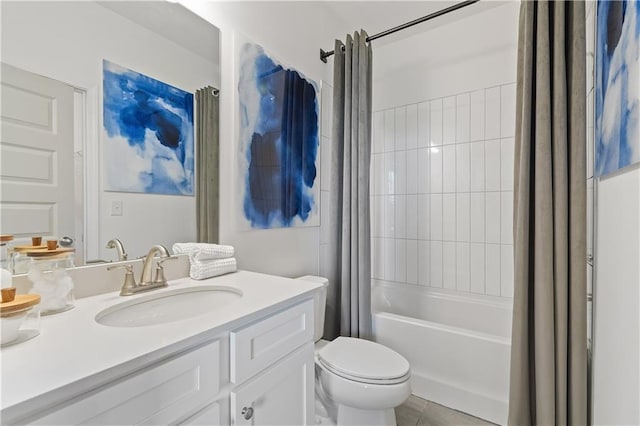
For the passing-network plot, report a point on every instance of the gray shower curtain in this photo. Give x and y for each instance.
(350, 239)
(549, 335)
(207, 152)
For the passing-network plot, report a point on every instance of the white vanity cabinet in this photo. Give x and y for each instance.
(260, 372)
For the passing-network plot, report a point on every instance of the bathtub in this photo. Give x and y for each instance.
(458, 344)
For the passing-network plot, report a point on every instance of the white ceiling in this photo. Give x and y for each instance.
(174, 22)
(378, 16)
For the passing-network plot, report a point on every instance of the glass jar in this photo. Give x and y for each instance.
(4, 250)
(19, 262)
(18, 327)
(48, 273)
(17, 253)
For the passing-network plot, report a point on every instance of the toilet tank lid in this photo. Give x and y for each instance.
(320, 280)
(364, 359)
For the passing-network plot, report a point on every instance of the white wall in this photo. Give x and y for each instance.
(442, 163)
(293, 32)
(67, 41)
(616, 290)
(616, 357)
(472, 53)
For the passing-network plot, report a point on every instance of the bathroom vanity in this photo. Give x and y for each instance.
(248, 360)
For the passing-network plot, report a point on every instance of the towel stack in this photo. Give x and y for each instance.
(207, 260)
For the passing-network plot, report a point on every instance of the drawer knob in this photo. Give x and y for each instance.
(247, 412)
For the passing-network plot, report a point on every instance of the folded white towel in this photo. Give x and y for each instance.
(204, 251)
(203, 269)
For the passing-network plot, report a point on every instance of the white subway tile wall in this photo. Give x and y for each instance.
(462, 267)
(442, 192)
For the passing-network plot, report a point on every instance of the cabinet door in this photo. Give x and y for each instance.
(280, 395)
(209, 416)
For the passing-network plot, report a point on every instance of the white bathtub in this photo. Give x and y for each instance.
(457, 344)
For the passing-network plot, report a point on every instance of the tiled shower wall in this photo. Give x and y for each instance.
(442, 192)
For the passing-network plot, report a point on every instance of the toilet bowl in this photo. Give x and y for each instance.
(358, 382)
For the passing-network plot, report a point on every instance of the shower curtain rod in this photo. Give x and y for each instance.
(324, 54)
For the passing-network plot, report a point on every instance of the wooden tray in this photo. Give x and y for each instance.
(19, 304)
(45, 252)
(29, 247)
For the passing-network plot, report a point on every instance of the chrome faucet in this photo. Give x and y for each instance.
(146, 283)
(117, 244)
(145, 279)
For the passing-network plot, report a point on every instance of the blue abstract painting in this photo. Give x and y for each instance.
(617, 85)
(148, 125)
(278, 119)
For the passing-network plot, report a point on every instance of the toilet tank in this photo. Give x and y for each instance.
(319, 303)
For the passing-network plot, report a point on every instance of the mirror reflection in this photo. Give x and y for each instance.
(54, 168)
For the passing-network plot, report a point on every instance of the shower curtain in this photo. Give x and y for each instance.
(549, 334)
(207, 151)
(350, 239)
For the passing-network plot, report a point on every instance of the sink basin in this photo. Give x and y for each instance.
(169, 306)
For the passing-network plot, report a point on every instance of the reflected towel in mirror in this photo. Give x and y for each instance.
(204, 251)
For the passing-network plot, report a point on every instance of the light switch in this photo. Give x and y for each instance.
(116, 207)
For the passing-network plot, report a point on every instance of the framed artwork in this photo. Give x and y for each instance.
(148, 141)
(278, 119)
(617, 85)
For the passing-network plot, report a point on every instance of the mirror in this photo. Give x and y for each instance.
(52, 83)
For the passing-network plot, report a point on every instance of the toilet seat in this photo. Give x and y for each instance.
(363, 361)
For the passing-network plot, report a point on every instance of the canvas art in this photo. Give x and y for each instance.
(278, 136)
(617, 85)
(148, 142)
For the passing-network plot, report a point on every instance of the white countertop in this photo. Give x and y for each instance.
(72, 347)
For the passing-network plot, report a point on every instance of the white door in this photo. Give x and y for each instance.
(36, 151)
(280, 395)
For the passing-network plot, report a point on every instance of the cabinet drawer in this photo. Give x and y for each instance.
(161, 394)
(259, 345)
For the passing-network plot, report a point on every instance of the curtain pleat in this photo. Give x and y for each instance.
(350, 237)
(548, 375)
(207, 157)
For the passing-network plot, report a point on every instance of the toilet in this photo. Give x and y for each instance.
(358, 382)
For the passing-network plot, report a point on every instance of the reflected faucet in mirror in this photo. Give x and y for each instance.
(117, 244)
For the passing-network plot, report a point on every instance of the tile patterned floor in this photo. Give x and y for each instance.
(419, 412)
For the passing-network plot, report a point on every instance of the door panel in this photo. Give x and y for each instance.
(36, 152)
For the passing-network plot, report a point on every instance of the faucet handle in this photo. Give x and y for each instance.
(160, 269)
(164, 259)
(129, 280)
